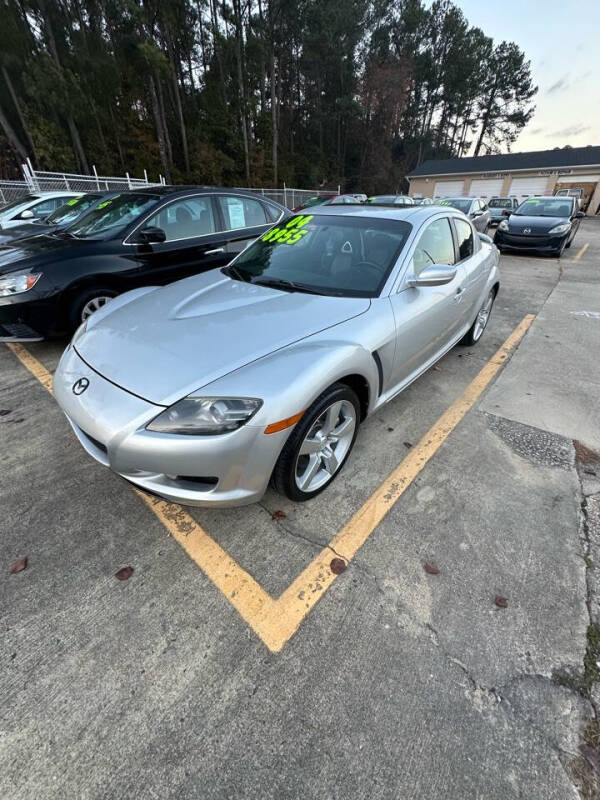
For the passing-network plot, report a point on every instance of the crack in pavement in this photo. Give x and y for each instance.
(315, 542)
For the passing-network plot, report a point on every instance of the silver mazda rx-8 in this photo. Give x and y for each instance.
(206, 390)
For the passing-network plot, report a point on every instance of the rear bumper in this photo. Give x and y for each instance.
(227, 470)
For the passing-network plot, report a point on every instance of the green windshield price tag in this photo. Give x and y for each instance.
(444, 203)
(532, 202)
(290, 233)
(103, 205)
(72, 201)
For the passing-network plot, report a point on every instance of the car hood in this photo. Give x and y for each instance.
(41, 248)
(173, 340)
(21, 231)
(517, 224)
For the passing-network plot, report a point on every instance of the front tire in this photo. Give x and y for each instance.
(86, 303)
(319, 445)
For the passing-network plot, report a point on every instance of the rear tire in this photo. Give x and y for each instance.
(85, 303)
(319, 445)
(481, 320)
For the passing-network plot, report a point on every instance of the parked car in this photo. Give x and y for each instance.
(344, 199)
(32, 206)
(423, 201)
(51, 283)
(546, 224)
(317, 200)
(576, 192)
(473, 207)
(204, 390)
(64, 216)
(501, 207)
(391, 199)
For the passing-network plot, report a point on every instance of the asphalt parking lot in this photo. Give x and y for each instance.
(214, 672)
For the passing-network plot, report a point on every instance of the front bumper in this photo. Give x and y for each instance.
(28, 308)
(227, 470)
(542, 243)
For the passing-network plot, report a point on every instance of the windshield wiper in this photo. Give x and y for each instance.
(290, 286)
(235, 272)
(65, 235)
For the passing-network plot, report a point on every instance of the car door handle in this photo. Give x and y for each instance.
(216, 250)
(458, 294)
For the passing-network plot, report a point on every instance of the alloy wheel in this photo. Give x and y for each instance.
(93, 305)
(483, 316)
(325, 446)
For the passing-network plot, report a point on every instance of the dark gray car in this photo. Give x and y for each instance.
(500, 208)
(474, 207)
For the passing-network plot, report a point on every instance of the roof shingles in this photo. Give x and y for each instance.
(537, 159)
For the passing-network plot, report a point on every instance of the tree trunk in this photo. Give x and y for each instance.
(12, 137)
(162, 149)
(20, 114)
(179, 107)
(163, 119)
(241, 89)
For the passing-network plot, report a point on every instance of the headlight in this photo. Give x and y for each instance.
(18, 282)
(562, 228)
(503, 226)
(205, 416)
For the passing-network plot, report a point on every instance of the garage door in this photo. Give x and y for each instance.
(527, 187)
(486, 188)
(448, 188)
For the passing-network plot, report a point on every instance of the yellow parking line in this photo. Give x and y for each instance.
(580, 252)
(276, 620)
(33, 365)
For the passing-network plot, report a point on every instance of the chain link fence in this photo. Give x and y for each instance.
(41, 181)
(290, 198)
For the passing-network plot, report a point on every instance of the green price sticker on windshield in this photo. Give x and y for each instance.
(103, 205)
(72, 201)
(290, 233)
(444, 203)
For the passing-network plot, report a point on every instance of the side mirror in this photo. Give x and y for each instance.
(579, 215)
(477, 213)
(506, 212)
(28, 214)
(435, 275)
(151, 235)
(486, 239)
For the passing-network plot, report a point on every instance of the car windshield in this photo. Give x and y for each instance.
(500, 202)
(331, 255)
(461, 203)
(112, 216)
(26, 199)
(545, 207)
(71, 209)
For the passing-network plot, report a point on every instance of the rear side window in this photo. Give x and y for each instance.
(273, 213)
(242, 212)
(464, 233)
(185, 218)
(435, 246)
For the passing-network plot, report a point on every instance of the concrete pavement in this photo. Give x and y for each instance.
(399, 684)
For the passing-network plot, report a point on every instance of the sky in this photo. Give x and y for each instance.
(561, 38)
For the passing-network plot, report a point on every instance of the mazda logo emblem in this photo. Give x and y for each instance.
(526, 230)
(80, 386)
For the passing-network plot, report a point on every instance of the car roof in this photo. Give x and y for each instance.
(176, 191)
(412, 214)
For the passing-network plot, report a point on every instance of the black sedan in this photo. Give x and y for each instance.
(545, 224)
(50, 284)
(64, 216)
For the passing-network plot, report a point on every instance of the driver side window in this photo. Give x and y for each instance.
(435, 246)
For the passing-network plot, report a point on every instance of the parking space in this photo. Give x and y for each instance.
(212, 671)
